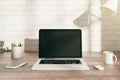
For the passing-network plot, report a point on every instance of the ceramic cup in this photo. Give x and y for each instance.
(109, 57)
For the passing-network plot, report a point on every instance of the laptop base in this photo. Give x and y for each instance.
(82, 66)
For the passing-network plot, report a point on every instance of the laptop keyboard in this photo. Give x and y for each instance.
(60, 62)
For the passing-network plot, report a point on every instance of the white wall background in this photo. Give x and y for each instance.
(13, 21)
(20, 19)
(60, 14)
(23, 18)
(57, 14)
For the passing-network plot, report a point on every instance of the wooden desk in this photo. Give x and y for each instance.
(111, 72)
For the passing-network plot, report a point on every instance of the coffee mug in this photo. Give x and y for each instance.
(108, 57)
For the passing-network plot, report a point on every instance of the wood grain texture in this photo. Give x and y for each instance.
(111, 72)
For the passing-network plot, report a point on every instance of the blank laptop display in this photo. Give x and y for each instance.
(60, 43)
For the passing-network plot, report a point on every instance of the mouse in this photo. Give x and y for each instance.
(98, 67)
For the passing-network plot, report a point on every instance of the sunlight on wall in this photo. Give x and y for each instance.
(95, 26)
(85, 39)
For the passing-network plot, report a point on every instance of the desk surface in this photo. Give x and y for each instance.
(111, 72)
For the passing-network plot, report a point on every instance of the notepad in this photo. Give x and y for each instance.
(14, 65)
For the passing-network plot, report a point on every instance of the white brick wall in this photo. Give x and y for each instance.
(20, 18)
(12, 21)
(59, 14)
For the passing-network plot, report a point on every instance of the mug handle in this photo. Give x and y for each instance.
(115, 58)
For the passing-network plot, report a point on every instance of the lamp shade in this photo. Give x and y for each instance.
(110, 6)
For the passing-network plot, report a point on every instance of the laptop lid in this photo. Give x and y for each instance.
(60, 43)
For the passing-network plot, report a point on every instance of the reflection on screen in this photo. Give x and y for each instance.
(60, 43)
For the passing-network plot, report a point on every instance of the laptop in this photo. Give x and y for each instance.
(60, 49)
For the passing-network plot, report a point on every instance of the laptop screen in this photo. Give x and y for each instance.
(60, 43)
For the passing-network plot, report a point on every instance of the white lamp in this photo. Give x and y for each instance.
(110, 6)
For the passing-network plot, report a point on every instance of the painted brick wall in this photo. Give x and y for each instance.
(20, 18)
(60, 14)
(15, 22)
